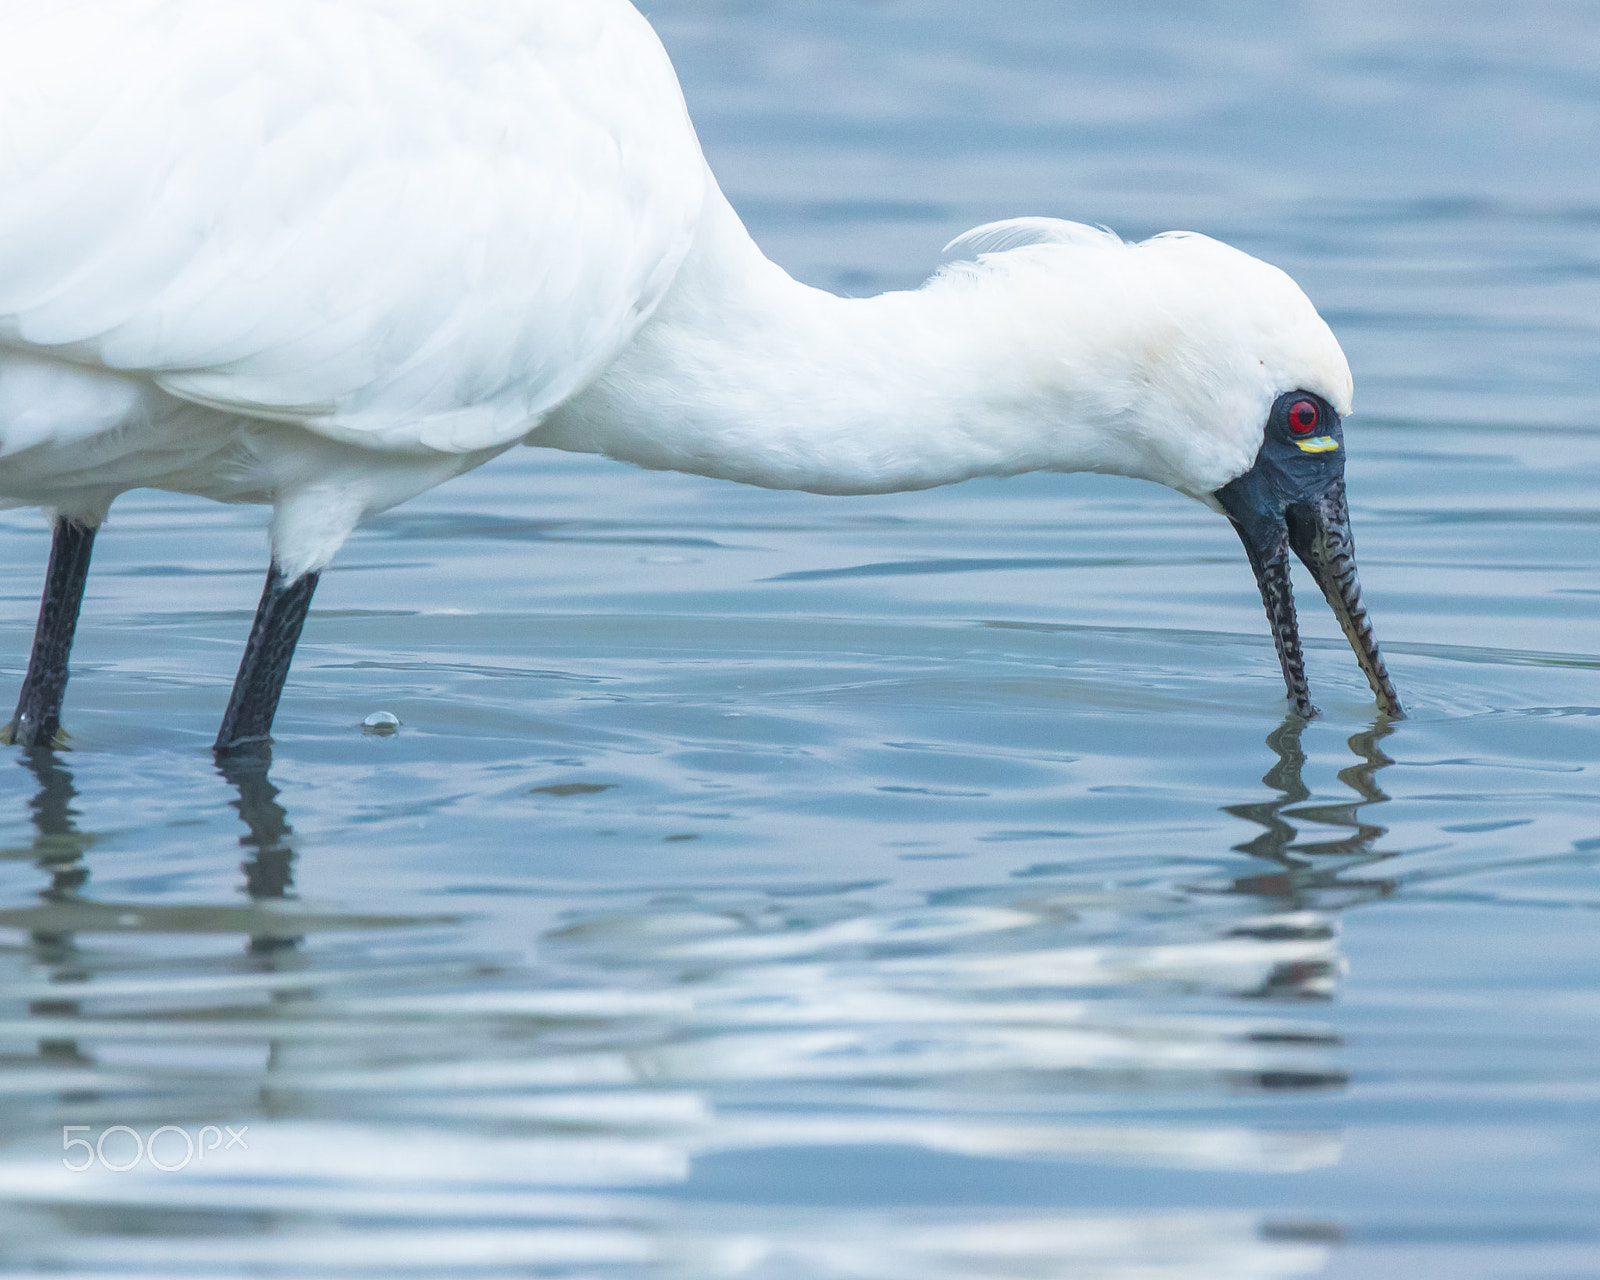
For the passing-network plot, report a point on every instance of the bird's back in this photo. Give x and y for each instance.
(399, 223)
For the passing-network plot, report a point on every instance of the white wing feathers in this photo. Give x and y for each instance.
(379, 218)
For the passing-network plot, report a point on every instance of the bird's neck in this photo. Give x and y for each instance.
(745, 374)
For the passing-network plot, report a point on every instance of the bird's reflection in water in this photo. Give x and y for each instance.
(1317, 874)
(1052, 1018)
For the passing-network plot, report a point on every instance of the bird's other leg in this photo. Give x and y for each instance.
(265, 665)
(38, 719)
(308, 526)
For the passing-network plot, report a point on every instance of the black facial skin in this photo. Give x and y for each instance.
(1294, 500)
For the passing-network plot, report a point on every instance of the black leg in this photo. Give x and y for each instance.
(38, 717)
(265, 666)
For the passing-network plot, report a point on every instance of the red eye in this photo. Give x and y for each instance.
(1303, 417)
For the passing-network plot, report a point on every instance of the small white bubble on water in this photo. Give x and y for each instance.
(381, 723)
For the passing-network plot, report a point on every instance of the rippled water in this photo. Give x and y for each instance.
(772, 886)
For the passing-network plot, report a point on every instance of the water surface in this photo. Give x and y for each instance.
(765, 885)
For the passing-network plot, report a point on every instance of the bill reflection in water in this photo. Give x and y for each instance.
(1315, 874)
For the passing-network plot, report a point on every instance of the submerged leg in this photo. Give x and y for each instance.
(265, 665)
(38, 718)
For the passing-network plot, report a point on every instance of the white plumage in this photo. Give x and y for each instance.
(402, 225)
(325, 254)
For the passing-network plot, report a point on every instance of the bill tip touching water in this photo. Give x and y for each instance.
(600, 296)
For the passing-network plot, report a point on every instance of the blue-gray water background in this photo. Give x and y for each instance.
(772, 886)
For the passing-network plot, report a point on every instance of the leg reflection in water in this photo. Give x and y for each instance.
(58, 848)
(268, 876)
(269, 869)
(1316, 874)
(65, 909)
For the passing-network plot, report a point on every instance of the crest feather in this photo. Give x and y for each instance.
(1016, 233)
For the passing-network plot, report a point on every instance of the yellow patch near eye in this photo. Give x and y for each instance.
(1318, 444)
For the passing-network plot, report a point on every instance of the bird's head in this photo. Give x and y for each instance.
(1195, 365)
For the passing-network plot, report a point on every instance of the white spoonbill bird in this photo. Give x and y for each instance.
(325, 254)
